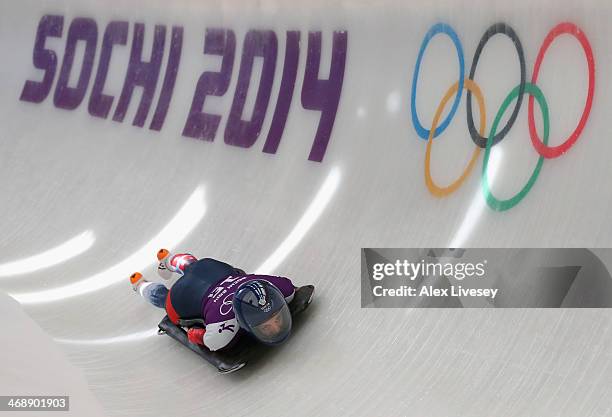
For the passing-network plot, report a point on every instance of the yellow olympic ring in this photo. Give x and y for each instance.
(431, 185)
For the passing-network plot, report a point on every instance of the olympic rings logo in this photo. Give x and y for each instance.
(227, 305)
(495, 136)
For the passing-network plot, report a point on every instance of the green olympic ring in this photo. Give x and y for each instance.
(492, 201)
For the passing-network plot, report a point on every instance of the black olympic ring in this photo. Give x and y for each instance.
(504, 29)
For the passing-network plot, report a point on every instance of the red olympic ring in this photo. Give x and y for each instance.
(555, 151)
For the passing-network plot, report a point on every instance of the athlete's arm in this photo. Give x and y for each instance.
(219, 335)
(196, 335)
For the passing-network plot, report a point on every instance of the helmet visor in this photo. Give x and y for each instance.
(275, 329)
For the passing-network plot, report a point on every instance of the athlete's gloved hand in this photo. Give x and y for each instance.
(196, 335)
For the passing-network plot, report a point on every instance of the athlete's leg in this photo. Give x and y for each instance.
(153, 292)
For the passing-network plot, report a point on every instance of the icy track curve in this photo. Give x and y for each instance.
(283, 137)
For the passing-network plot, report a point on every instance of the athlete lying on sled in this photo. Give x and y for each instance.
(218, 304)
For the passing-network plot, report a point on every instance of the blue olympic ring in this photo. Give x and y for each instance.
(446, 29)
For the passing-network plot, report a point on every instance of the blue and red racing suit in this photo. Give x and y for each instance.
(206, 290)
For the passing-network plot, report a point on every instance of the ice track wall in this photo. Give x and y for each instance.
(283, 137)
